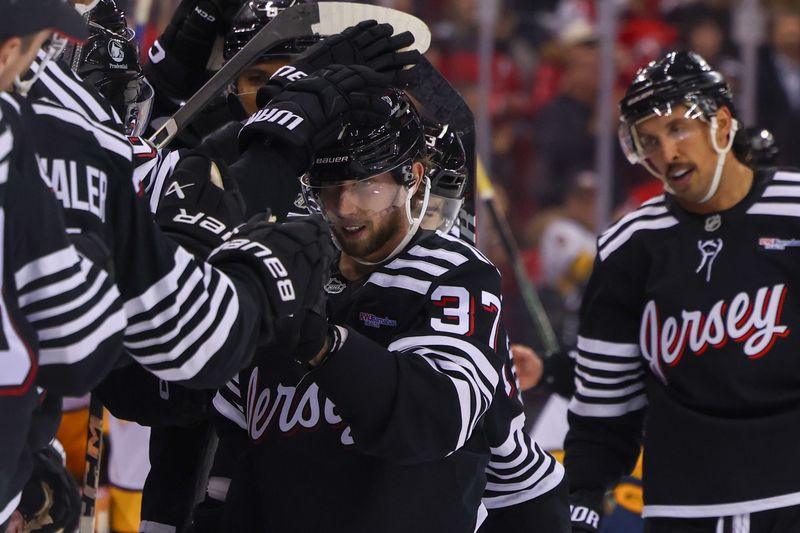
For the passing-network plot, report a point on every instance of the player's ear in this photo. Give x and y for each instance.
(8, 48)
(418, 170)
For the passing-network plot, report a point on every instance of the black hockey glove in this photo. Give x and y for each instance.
(195, 212)
(50, 500)
(179, 57)
(584, 512)
(369, 44)
(559, 373)
(308, 114)
(289, 262)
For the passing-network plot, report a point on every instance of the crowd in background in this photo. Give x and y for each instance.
(543, 106)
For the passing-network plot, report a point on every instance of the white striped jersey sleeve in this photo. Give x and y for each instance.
(183, 320)
(519, 470)
(470, 370)
(73, 305)
(228, 402)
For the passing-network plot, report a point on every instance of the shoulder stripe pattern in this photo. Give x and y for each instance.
(428, 268)
(780, 198)
(454, 258)
(113, 142)
(610, 379)
(651, 215)
(230, 409)
(400, 282)
(469, 247)
(64, 85)
(466, 366)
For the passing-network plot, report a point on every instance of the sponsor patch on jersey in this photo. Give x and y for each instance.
(374, 321)
(335, 286)
(772, 243)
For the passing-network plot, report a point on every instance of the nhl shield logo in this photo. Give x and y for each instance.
(713, 223)
(335, 286)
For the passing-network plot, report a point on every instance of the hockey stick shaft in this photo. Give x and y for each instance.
(530, 298)
(91, 476)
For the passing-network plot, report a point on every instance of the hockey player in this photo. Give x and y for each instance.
(688, 318)
(416, 331)
(55, 305)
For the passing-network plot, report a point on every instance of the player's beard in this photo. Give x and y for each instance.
(380, 232)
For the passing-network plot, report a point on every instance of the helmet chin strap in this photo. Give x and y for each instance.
(412, 230)
(721, 153)
(22, 87)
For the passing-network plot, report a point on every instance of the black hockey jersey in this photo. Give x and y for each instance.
(55, 306)
(187, 321)
(390, 434)
(692, 318)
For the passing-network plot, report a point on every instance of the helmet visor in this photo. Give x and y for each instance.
(639, 145)
(354, 200)
(133, 99)
(442, 213)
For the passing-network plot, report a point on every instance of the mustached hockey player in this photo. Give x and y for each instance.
(380, 417)
(689, 318)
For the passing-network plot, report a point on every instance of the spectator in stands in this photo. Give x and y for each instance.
(779, 83)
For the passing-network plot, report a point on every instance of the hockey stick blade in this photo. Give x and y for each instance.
(326, 18)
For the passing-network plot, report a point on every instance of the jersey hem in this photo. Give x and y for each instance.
(721, 509)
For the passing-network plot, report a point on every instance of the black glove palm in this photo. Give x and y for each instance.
(368, 44)
(308, 114)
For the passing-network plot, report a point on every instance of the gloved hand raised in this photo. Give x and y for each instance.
(308, 114)
(288, 262)
(368, 44)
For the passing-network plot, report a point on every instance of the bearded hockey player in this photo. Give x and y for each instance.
(688, 318)
(412, 324)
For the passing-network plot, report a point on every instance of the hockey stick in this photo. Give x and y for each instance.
(533, 304)
(326, 18)
(91, 475)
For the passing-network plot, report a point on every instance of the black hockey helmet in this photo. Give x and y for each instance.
(363, 152)
(367, 150)
(447, 172)
(679, 77)
(110, 61)
(253, 16)
(447, 160)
